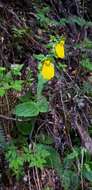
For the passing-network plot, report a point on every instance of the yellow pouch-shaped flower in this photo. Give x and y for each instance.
(59, 49)
(48, 70)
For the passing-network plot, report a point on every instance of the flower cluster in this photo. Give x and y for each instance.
(48, 70)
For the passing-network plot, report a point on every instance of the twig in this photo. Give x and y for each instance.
(9, 118)
(82, 160)
(13, 119)
(85, 137)
(29, 180)
(37, 178)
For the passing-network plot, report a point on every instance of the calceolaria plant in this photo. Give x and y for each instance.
(46, 72)
(40, 104)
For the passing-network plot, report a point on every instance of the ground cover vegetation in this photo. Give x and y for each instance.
(45, 95)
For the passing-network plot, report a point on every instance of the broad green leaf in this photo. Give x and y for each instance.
(27, 109)
(70, 180)
(43, 105)
(88, 175)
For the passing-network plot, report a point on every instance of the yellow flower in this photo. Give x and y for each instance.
(48, 70)
(59, 49)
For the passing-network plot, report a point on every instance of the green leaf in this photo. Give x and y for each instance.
(68, 160)
(72, 155)
(87, 43)
(2, 92)
(43, 105)
(63, 21)
(16, 68)
(87, 88)
(86, 63)
(39, 157)
(54, 160)
(17, 85)
(6, 86)
(45, 139)
(39, 57)
(27, 109)
(2, 71)
(88, 175)
(70, 180)
(79, 21)
(25, 128)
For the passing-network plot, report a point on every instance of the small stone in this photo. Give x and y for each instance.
(25, 178)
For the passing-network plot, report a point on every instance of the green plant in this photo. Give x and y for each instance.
(86, 63)
(80, 21)
(54, 40)
(35, 157)
(43, 19)
(40, 104)
(87, 88)
(9, 79)
(15, 160)
(87, 43)
(33, 108)
(19, 33)
(38, 156)
(76, 167)
(41, 156)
